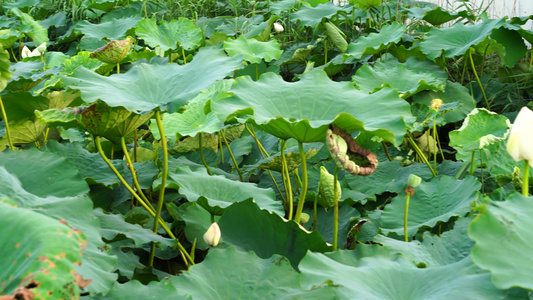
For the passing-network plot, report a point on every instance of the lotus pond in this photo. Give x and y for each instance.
(293, 149)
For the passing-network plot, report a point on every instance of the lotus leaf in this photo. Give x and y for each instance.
(453, 197)
(148, 86)
(502, 233)
(303, 110)
(170, 35)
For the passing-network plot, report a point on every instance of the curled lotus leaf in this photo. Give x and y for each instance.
(99, 118)
(347, 153)
(114, 52)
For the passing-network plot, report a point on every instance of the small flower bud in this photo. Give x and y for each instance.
(212, 235)
(413, 180)
(520, 144)
(42, 48)
(278, 28)
(436, 104)
(304, 218)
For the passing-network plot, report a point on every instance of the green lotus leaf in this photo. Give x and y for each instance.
(450, 247)
(32, 28)
(38, 253)
(115, 29)
(8, 37)
(399, 77)
(480, 129)
(364, 277)
(435, 16)
(113, 225)
(231, 274)
(197, 221)
(376, 42)
(326, 221)
(502, 233)
(253, 50)
(76, 209)
(454, 41)
(284, 5)
(312, 16)
(5, 74)
(148, 86)
(513, 45)
(114, 52)
(452, 195)
(21, 105)
(222, 192)
(367, 4)
(136, 290)
(244, 222)
(168, 35)
(453, 92)
(304, 110)
(26, 131)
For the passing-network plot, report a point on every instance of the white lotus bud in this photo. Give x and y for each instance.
(278, 28)
(25, 52)
(212, 235)
(520, 143)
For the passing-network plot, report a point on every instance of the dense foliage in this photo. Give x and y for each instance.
(263, 149)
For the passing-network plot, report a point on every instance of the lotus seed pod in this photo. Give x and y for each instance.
(212, 235)
(436, 104)
(413, 180)
(327, 189)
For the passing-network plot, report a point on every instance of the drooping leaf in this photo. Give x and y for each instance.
(148, 86)
(245, 226)
(453, 197)
(114, 52)
(303, 110)
(32, 28)
(170, 35)
(502, 233)
(222, 192)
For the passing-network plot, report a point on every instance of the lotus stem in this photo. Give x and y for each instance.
(261, 151)
(133, 172)
(435, 135)
(286, 179)
(315, 215)
(45, 139)
(118, 68)
(473, 163)
(419, 152)
(163, 181)
(386, 150)
(8, 132)
(336, 206)
(304, 183)
(184, 57)
(150, 210)
(407, 198)
(231, 154)
(220, 147)
(525, 181)
(202, 155)
(478, 80)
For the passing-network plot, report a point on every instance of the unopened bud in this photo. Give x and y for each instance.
(436, 104)
(212, 235)
(304, 218)
(278, 28)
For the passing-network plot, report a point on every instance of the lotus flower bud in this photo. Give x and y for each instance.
(520, 143)
(41, 48)
(327, 189)
(436, 104)
(27, 53)
(212, 235)
(304, 218)
(278, 28)
(413, 180)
